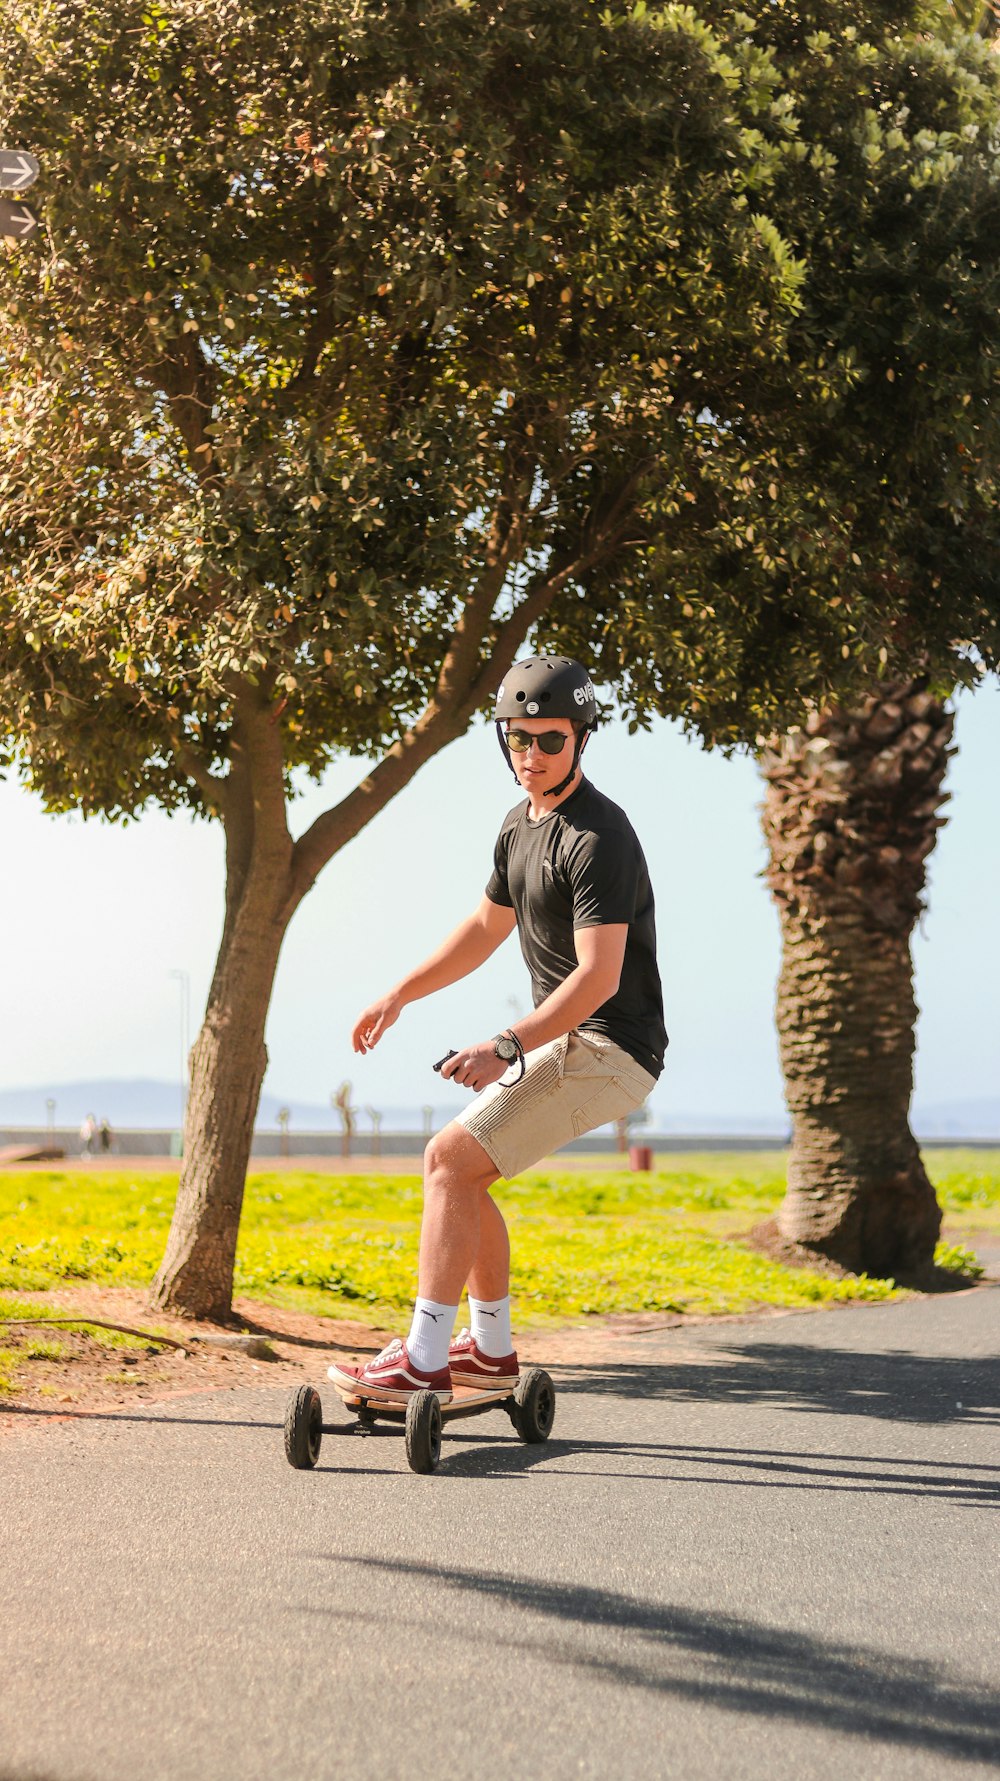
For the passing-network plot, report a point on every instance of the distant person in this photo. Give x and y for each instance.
(106, 1136)
(88, 1135)
(569, 873)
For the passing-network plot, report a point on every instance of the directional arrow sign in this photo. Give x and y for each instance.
(17, 220)
(18, 170)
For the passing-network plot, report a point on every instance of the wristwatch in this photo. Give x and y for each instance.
(506, 1048)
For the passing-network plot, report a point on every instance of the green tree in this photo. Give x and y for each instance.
(853, 795)
(890, 201)
(364, 345)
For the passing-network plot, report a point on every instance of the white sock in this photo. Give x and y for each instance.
(430, 1334)
(489, 1320)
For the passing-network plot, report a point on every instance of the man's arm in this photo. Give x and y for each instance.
(471, 944)
(600, 954)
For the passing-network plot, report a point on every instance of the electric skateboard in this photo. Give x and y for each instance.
(530, 1405)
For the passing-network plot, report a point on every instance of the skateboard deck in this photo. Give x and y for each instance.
(464, 1397)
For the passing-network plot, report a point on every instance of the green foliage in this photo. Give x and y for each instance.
(958, 1260)
(665, 329)
(42, 1349)
(585, 1242)
(968, 1185)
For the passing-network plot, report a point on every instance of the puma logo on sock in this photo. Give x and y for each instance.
(483, 1313)
(435, 1316)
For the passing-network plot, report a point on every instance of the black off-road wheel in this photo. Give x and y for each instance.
(423, 1431)
(534, 1408)
(303, 1428)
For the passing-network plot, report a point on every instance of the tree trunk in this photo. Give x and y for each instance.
(229, 1057)
(228, 1062)
(850, 816)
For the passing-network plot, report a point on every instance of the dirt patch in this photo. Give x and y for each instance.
(768, 1241)
(94, 1371)
(98, 1369)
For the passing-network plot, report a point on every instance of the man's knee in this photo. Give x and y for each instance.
(455, 1158)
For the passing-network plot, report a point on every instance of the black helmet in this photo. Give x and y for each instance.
(547, 686)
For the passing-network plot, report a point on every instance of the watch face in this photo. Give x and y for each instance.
(506, 1049)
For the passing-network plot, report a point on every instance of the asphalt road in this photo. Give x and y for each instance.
(755, 1549)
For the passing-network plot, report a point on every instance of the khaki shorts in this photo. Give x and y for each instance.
(569, 1087)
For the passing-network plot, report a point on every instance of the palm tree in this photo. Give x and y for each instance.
(850, 817)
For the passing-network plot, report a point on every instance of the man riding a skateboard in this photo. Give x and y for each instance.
(569, 873)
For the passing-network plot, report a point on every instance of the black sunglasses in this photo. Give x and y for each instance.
(549, 741)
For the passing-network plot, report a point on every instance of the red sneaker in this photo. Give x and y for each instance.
(391, 1376)
(470, 1366)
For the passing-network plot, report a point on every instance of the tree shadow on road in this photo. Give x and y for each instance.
(743, 1468)
(731, 1663)
(895, 1386)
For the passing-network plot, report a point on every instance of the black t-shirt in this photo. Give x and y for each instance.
(581, 866)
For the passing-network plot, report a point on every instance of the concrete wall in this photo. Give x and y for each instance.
(133, 1142)
(129, 1142)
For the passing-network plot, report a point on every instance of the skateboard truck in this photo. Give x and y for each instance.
(365, 1424)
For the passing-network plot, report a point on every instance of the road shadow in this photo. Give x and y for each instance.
(731, 1663)
(892, 1385)
(135, 1416)
(743, 1468)
(468, 1453)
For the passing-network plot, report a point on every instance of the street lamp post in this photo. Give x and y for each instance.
(284, 1115)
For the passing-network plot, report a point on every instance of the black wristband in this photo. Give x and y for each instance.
(520, 1054)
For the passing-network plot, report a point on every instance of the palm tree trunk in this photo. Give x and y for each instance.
(850, 817)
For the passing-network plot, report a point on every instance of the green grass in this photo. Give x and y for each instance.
(37, 1349)
(586, 1241)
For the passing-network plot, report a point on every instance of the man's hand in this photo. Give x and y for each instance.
(475, 1067)
(376, 1020)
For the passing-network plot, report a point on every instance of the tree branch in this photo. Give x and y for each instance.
(257, 733)
(214, 787)
(321, 330)
(448, 712)
(334, 828)
(462, 654)
(189, 382)
(439, 723)
(444, 717)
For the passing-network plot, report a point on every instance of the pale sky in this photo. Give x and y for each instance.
(96, 917)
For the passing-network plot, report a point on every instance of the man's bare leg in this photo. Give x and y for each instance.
(489, 1276)
(458, 1215)
(462, 1237)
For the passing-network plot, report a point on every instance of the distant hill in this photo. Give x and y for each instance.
(144, 1102)
(979, 1118)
